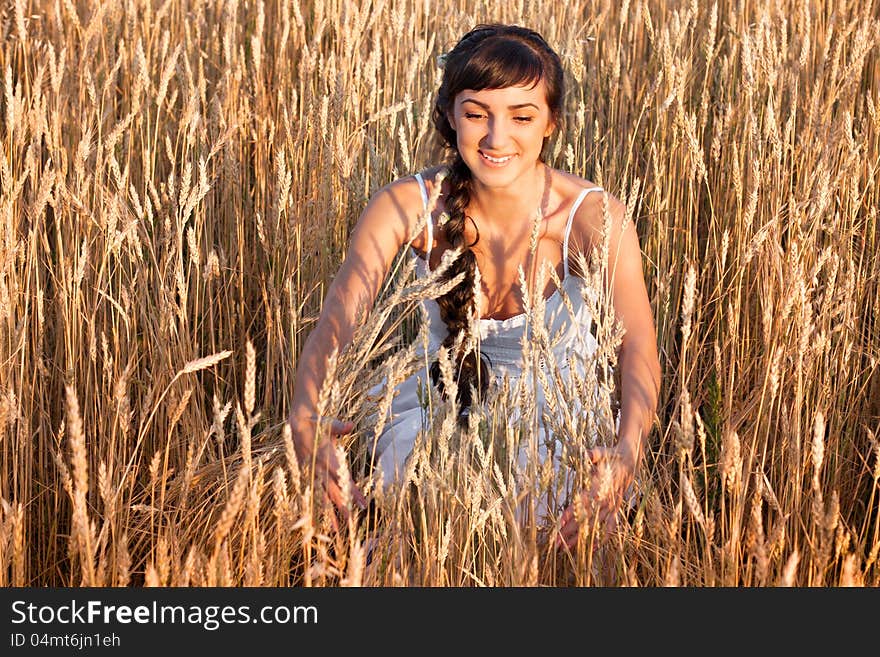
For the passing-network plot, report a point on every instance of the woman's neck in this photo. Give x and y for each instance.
(497, 206)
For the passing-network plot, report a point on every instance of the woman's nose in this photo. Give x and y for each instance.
(497, 135)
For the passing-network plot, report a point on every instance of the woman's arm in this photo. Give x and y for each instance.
(384, 226)
(638, 361)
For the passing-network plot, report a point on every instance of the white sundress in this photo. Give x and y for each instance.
(500, 340)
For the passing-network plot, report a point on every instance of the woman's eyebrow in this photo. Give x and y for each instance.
(510, 107)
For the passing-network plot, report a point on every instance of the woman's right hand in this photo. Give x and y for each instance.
(324, 458)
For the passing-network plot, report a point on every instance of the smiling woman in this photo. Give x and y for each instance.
(503, 131)
(500, 99)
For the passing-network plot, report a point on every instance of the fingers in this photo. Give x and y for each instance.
(341, 514)
(322, 453)
(567, 515)
(341, 427)
(601, 513)
(306, 436)
(329, 467)
(338, 499)
(326, 462)
(325, 457)
(611, 522)
(328, 498)
(563, 538)
(568, 534)
(569, 526)
(334, 492)
(358, 496)
(602, 517)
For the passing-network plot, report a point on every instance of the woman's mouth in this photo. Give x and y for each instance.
(496, 161)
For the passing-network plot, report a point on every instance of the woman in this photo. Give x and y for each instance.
(500, 99)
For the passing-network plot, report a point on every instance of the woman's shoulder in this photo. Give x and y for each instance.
(430, 178)
(405, 196)
(410, 188)
(588, 218)
(571, 186)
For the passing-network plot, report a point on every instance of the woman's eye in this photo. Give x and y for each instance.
(471, 115)
(523, 119)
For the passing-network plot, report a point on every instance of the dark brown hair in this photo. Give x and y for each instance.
(487, 57)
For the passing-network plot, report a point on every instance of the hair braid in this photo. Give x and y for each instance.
(470, 368)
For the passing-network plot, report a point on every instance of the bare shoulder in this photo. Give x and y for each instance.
(386, 224)
(400, 202)
(401, 197)
(588, 221)
(432, 176)
(591, 215)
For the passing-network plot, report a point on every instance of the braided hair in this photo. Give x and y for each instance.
(487, 57)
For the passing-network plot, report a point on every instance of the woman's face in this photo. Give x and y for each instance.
(500, 132)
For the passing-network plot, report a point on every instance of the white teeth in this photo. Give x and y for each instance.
(497, 160)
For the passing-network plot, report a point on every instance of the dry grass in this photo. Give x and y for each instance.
(177, 184)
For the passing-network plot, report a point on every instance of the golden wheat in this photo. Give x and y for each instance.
(170, 189)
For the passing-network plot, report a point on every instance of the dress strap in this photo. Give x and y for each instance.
(574, 208)
(430, 226)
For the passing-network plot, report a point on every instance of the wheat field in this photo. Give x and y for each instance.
(177, 184)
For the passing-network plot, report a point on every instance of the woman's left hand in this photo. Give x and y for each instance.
(612, 473)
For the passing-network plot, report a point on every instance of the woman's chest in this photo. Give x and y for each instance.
(505, 264)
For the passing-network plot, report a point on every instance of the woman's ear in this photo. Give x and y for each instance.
(451, 118)
(551, 128)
